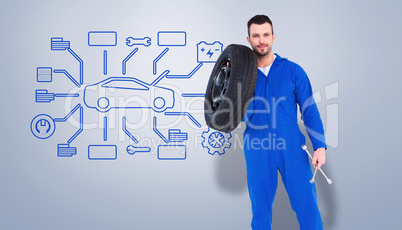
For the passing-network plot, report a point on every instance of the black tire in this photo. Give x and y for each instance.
(230, 87)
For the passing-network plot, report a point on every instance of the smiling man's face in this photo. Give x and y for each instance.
(261, 38)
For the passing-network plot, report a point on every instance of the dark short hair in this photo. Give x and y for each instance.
(259, 20)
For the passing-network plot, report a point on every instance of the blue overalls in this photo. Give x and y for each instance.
(272, 142)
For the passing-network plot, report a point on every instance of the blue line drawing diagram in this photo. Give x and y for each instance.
(184, 114)
(157, 131)
(172, 152)
(102, 152)
(98, 96)
(208, 52)
(145, 41)
(172, 38)
(43, 126)
(42, 96)
(127, 93)
(188, 75)
(124, 63)
(104, 62)
(57, 43)
(216, 142)
(193, 94)
(64, 150)
(157, 59)
(102, 38)
(123, 125)
(63, 71)
(132, 149)
(44, 74)
(175, 135)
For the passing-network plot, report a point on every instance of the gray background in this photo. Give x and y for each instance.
(354, 43)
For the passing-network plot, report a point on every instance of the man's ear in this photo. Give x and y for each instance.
(248, 39)
(273, 37)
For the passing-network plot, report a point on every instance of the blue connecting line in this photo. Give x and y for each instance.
(126, 131)
(127, 58)
(184, 114)
(159, 133)
(64, 119)
(158, 79)
(187, 76)
(193, 94)
(68, 75)
(66, 95)
(104, 62)
(81, 65)
(157, 59)
(105, 128)
(81, 125)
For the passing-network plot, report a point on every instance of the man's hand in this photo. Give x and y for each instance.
(319, 158)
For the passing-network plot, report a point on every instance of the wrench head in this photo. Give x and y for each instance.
(130, 149)
(304, 147)
(129, 41)
(147, 41)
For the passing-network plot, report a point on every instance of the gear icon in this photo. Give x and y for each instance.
(216, 141)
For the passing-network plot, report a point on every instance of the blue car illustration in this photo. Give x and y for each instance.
(128, 93)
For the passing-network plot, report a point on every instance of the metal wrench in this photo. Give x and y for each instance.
(146, 41)
(304, 147)
(313, 178)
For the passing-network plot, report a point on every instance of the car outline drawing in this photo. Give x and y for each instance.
(157, 98)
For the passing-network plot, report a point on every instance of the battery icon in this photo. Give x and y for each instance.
(208, 52)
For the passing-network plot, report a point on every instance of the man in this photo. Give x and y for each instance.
(272, 139)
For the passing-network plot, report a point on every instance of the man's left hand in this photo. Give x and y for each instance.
(319, 158)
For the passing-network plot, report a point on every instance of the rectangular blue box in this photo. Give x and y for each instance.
(102, 38)
(172, 152)
(102, 152)
(172, 38)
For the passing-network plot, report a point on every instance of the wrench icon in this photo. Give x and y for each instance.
(146, 41)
